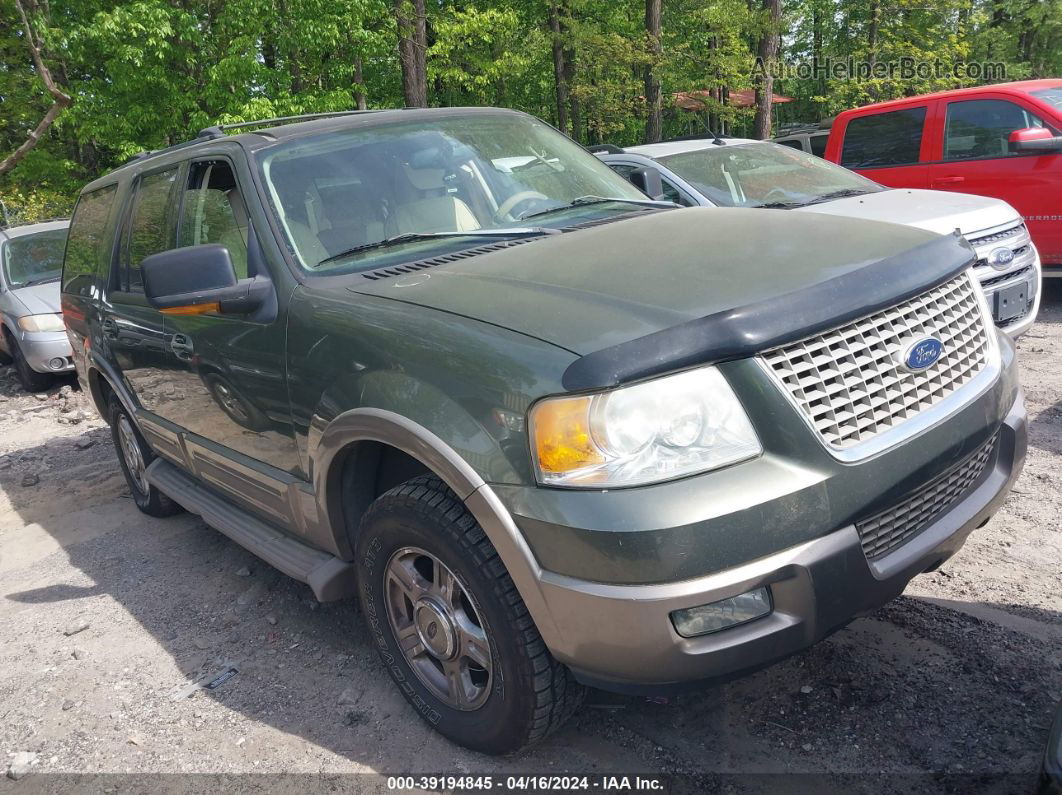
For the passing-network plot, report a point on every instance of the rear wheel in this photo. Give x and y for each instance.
(134, 456)
(31, 380)
(450, 626)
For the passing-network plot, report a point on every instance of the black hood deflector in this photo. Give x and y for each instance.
(747, 330)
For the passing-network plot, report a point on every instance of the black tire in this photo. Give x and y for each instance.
(236, 407)
(530, 694)
(31, 380)
(147, 497)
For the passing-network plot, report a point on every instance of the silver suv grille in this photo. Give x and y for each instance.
(883, 533)
(848, 381)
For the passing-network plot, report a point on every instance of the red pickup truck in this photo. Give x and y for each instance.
(1003, 141)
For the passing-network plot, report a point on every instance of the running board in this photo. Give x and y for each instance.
(328, 576)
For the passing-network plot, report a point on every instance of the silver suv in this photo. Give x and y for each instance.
(32, 335)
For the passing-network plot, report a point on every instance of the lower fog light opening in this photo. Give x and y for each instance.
(690, 622)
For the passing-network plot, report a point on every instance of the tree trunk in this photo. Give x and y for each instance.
(768, 53)
(414, 83)
(560, 79)
(872, 32)
(654, 121)
(359, 84)
(60, 99)
(420, 50)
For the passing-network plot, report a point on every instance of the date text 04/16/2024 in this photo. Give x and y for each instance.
(529, 783)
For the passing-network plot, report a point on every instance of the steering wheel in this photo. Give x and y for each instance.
(506, 207)
(775, 194)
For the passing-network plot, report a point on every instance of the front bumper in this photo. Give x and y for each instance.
(42, 349)
(620, 637)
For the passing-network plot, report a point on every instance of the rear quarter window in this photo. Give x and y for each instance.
(87, 254)
(883, 139)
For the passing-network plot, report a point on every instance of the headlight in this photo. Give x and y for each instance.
(658, 430)
(41, 323)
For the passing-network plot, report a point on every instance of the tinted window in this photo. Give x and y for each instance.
(86, 251)
(793, 143)
(818, 144)
(981, 127)
(883, 139)
(34, 259)
(150, 226)
(213, 211)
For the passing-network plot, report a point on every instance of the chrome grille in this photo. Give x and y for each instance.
(848, 381)
(884, 532)
(984, 240)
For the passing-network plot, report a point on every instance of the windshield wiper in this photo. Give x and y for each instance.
(413, 237)
(840, 194)
(583, 201)
(825, 197)
(43, 280)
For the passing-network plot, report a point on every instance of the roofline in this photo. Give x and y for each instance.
(1013, 87)
(295, 128)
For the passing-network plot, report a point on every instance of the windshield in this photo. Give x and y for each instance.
(34, 258)
(1052, 96)
(420, 188)
(765, 174)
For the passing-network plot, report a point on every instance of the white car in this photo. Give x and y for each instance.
(739, 172)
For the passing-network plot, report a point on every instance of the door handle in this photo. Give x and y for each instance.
(947, 180)
(110, 328)
(181, 344)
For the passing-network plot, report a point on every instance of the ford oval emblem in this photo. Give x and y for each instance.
(1000, 258)
(921, 354)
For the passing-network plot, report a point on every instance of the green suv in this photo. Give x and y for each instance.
(551, 433)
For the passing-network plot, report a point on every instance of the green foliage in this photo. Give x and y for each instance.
(148, 73)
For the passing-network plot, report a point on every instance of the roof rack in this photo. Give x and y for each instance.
(706, 135)
(605, 149)
(218, 130)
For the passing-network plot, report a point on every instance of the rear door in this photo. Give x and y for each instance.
(974, 157)
(130, 328)
(888, 146)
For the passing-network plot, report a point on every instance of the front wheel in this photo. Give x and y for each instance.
(31, 380)
(450, 626)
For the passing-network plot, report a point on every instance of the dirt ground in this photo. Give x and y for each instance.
(107, 614)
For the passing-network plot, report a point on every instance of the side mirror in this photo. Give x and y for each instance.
(648, 181)
(200, 279)
(1033, 139)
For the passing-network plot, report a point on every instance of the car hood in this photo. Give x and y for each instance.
(39, 299)
(594, 288)
(936, 210)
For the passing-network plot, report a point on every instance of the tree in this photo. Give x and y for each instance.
(412, 49)
(768, 55)
(60, 99)
(654, 120)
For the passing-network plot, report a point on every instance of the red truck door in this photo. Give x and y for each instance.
(972, 156)
(886, 146)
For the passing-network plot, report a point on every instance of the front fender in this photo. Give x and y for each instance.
(413, 439)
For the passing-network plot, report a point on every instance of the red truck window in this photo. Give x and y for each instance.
(981, 127)
(884, 139)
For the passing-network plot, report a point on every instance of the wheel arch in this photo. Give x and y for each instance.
(354, 436)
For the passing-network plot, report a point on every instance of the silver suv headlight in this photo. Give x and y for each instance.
(657, 430)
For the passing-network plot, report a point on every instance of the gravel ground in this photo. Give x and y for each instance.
(107, 615)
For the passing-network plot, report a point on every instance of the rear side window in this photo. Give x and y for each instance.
(87, 255)
(982, 127)
(792, 143)
(884, 139)
(151, 227)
